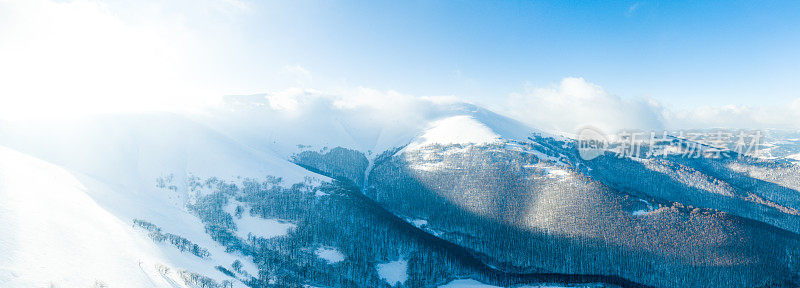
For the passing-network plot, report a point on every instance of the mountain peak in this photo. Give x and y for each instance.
(460, 129)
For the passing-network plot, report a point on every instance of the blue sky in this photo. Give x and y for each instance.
(680, 53)
(735, 58)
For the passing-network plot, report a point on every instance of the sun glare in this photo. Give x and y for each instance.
(84, 59)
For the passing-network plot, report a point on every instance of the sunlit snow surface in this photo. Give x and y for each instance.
(395, 272)
(456, 130)
(419, 223)
(54, 234)
(79, 210)
(642, 212)
(248, 225)
(259, 227)
(329, 254)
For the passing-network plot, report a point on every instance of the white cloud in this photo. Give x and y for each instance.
(738, 116)
(362, 118)
(83, 56)
(563, 107)
(574, 102)
(371, 105)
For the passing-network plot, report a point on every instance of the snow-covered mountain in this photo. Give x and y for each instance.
(75, 210)
(273, 190)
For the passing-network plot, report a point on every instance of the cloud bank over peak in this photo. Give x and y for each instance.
(574, 103)
(739, 116)
(563, 107)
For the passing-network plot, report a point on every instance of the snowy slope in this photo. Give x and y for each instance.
(55, 234)
(75, 213)
(460, 129)
(469, 124)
